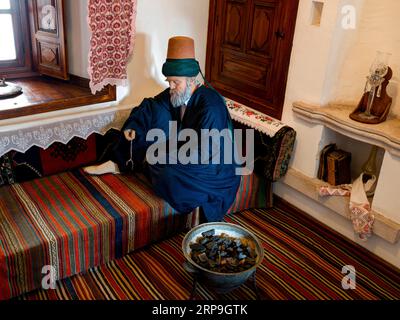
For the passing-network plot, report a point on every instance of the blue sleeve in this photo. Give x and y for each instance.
(152, 113)
(212, 114)
(140, 117)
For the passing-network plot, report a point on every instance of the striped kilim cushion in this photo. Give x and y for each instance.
(74, 222)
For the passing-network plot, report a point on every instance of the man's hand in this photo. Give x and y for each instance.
(129, 134)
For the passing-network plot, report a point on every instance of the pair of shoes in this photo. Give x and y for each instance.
(106, 167)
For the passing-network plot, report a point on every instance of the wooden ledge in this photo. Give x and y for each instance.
(44, 94)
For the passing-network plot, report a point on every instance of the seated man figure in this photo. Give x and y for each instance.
(185, 185)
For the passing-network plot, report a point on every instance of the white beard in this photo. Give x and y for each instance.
(179, 99)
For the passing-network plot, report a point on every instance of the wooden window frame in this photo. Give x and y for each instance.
(22, 65)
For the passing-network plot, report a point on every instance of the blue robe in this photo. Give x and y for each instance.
(210, 186)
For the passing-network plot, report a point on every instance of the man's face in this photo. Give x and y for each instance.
(180, 90)
(176, 84)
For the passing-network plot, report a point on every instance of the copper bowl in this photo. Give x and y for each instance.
(221, 282)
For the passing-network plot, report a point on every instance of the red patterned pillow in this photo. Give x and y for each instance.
(61, 157)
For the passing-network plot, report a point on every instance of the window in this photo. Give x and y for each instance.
(36, 36)
(15, 48)
(33, 55)
(7, 51)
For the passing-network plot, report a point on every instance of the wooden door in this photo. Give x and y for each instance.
(248, 50)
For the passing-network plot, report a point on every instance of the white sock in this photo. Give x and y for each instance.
(106, 167)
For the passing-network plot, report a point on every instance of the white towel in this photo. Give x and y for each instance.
(360, 208)
(361, 215)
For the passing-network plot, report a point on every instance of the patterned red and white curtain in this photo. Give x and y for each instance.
(112, 27)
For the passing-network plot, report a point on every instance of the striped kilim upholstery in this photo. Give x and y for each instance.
(74, 222)
(303, 261)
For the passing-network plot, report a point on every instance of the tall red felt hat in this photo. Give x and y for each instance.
(180, 48)
(181, 58)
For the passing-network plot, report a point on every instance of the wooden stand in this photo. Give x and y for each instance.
(380, 107)
(196, 282)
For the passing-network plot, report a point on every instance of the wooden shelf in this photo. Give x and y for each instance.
(336, 117)
(44, 94)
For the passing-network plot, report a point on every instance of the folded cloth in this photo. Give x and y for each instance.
(340, 190)
(360, 208)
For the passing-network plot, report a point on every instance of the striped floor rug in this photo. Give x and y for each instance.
(303, 261)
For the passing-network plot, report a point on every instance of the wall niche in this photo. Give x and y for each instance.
(360, 151)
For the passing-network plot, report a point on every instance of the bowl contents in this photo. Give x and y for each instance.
(223, 253)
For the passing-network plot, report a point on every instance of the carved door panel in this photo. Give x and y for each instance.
(248, 50)
(48, 41)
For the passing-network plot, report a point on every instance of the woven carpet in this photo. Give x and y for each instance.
(73, 222)
(303, 261)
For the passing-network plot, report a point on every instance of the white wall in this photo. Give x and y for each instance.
(330, 64)
(386, 199)
(156, 22)
(77, 37)
(317, 55)
(377, 30)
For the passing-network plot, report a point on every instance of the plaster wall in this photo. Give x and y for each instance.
(329, 63)
(377, 27)
(156, 22)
